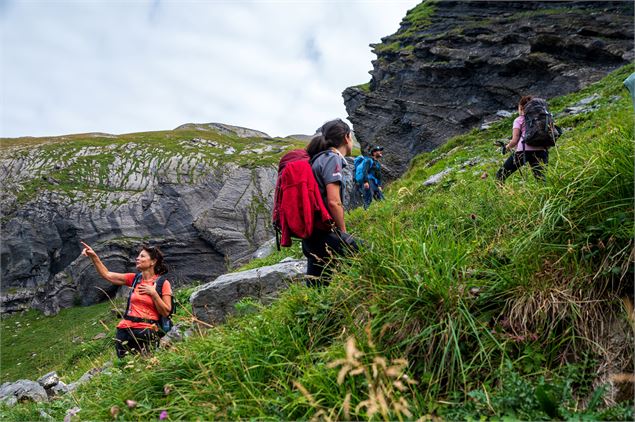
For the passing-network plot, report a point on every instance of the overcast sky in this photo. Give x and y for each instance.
(130, 66)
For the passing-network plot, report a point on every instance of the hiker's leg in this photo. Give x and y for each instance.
(137, 342)
(377, 194)
(367, 194)
(144, 340)
(511, 164)
(314, 251)
(538, 160)
(123, 341)
(362, 195)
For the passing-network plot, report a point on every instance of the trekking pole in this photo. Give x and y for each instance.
(502, 146)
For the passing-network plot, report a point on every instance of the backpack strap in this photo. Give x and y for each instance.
(137, 280)
(366, 166)
(159, 286)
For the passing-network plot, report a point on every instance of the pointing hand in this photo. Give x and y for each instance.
(88, 251)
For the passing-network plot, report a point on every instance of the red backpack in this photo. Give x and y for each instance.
(298, 206)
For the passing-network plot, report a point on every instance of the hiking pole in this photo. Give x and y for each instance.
(502, 146)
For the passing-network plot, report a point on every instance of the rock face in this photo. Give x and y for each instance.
(203, 195)
(214, 301)
(454, 64)
(223, 128)
(180, 190)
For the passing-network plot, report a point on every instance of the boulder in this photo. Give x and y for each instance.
(265, 250)
(436, 178)
(88, 375)
(214, 301)
(58, 389)
(49, 380)
(175, 335)
(22, 390)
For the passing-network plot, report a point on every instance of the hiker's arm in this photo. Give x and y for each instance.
(162, 303)
(335, 205)
(515, 139)
(365, 169)
(118, 279)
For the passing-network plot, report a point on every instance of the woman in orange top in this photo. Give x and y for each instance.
(137, 331)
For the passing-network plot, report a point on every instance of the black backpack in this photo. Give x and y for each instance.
(540, 129)
(164, 323)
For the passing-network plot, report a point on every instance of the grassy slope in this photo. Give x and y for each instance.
(33, 344)
(549, 262)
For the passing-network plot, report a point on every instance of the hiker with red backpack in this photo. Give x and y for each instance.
(309, 200)
(149, 304)
(533, 132)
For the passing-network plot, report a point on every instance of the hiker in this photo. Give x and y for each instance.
(368, 176)
(137, 332)
(537, 157)
(327, 150)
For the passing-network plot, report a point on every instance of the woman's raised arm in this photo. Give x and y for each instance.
(117, 279)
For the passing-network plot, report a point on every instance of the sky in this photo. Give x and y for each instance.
(132, 66)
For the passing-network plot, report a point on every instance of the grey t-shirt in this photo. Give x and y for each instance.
(327, 167)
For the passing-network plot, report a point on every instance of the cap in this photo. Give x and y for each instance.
(376, 148)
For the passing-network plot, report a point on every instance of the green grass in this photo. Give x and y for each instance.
(33, 344)
(417, 20)
(498, 301)
(364, 87)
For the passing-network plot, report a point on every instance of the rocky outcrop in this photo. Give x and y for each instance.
(225, 129)
(46, 387)
(454, 64)
(208, 210)
(214, 301)
(20, 391)
(204, 195)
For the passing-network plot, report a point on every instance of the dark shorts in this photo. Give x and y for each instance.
(134, 340)
(537, 160)
(320, 249)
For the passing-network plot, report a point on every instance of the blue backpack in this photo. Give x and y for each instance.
(358, 166)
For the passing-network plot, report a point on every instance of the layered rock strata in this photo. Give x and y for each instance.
(203, 197)
(454, 64)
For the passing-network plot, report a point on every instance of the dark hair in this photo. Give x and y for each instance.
(331, 134)
(524, 100)
(155, 253)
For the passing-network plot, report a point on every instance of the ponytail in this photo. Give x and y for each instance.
(316, 145)
(524, 100)
(332, 134)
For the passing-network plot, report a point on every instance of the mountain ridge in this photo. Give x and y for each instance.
(452, 65)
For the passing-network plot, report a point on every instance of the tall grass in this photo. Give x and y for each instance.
(497, 301)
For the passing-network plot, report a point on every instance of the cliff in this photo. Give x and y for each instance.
(202, 193)
(453, 64)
